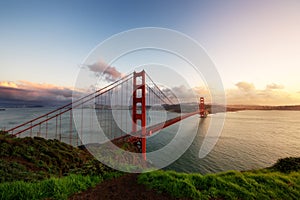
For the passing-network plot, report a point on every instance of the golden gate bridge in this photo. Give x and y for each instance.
(129, 109)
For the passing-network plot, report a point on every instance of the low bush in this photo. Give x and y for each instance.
(287, 165)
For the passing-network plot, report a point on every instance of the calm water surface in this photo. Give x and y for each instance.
(249, 140)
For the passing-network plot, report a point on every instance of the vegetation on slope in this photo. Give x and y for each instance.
(36, 168)
(282, 181)
(32, 159)
(287, 165)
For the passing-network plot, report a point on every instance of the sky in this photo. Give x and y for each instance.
(255, 45)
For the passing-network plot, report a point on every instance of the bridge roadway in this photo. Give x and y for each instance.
(154, 128)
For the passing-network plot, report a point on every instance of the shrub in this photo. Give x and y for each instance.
(287, 165)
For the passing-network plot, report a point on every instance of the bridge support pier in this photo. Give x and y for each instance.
(139, 109)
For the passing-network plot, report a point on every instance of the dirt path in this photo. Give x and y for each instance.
(125, 187)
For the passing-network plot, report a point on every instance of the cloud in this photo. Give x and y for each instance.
(186, 94)
(246, 93)
(179, 91)
(25, 92)
(274, 86)
(8, 84)
(109, 73)
(12, 93)
(244, 86)
(39, 93)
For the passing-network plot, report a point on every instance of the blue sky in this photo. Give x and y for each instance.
(51, 37)
(254, 44)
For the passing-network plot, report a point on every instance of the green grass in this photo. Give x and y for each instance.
(260, 184)
(54, 188)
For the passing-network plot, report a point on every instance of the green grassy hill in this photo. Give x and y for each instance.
(281, 181)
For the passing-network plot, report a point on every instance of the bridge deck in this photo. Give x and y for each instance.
(154, 128)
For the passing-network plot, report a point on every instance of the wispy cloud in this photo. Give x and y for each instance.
(109, 73)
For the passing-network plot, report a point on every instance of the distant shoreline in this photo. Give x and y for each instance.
(212, 109)
(231, 108)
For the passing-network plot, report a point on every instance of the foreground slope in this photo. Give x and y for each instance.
(281, 181)
(36, 168)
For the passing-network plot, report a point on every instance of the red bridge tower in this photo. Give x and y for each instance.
(139, 109)
(203, 112)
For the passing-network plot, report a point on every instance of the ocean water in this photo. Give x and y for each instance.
(12, 117)
(249, 139)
